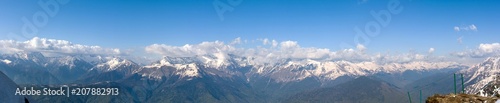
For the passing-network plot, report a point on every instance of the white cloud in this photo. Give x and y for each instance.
(483, 50)
(489, 48)
(289, 45)
(236, 41)
(471, 27)
(265, 41)
(286, 49)
(274, 53)
(279, 51)
(456, 28)
(361, 47)
(274, 43)
(54, 46)
(419, 56)
(190, 50)
(401, 58)
(459, 40)
(431, 50)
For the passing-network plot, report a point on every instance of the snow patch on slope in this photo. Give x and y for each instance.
(6, 61)
(114, 64)
(189, 70)
(181, 66)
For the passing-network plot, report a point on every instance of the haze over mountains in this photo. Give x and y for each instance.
(219, 72)
(66, 69)
(208, 77)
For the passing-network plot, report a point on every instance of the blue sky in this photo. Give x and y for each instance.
(134, 24)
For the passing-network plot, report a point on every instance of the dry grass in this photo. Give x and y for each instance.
(460, 98)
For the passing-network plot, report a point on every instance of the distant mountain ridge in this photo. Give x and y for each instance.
(216, 77)
(360, 90)
(224, 64)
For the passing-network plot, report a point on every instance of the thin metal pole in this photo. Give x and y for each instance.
(463, 88)
(455, 82)
(420, 96)
(409, 96)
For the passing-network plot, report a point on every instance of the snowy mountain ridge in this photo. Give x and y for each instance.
(331, 70)
(227, 65)
(114, 64)
(482, 74)
(287, 70)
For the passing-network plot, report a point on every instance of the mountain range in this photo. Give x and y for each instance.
(229, 78)
(482, 78)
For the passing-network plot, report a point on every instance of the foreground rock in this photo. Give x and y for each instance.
(460, 98)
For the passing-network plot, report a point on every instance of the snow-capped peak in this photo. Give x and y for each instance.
(29, 55)
(164, 62)
(92, 59)
(309, 61)
(6, 61)
(36, 57)
(292, 70)
(164, 68)
(114, 63)
(482, 74)
(216, 60)
(189, 70)
(169, 61)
